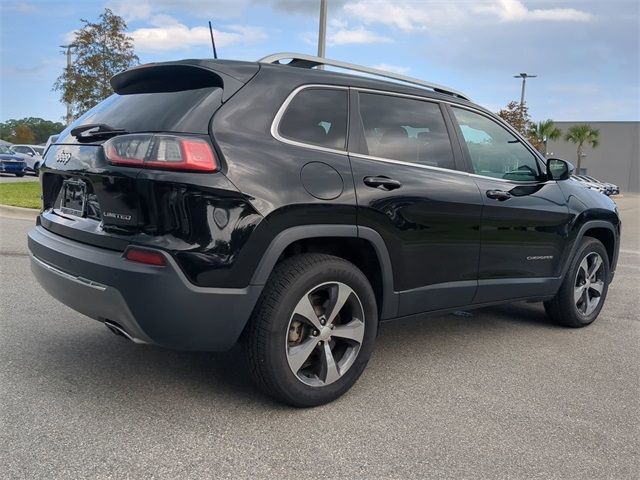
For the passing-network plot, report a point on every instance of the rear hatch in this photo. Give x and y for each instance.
(155, 127)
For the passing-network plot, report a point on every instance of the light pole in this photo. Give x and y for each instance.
(524, 77)
(322, 29)
(69, 47)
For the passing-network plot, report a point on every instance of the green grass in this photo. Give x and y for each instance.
(21, 194)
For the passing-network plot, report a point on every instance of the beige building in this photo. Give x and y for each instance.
(616, 160)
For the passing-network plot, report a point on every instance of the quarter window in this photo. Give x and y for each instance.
(317, 116)
(405, 129)
(494, 151)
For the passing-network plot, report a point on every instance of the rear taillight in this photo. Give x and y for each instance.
(161, 151)
(149, 257)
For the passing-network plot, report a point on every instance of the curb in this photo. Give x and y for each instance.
(18, 213)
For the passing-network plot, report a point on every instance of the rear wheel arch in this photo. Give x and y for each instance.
(361, 246)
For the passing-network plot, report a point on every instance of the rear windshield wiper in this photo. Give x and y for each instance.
(93, 131)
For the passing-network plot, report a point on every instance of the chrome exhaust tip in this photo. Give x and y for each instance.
(121, 332)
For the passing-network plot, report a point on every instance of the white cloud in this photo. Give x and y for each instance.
(133, 10)
(410, 15)
(392, 68)
(404, 15)
(69, 37)
(344, 36)
(172, 35)
(307, 7)
(516, 11)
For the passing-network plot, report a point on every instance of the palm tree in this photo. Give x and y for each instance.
(581, 134)
(544, 131)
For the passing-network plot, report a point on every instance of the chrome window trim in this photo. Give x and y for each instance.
(402, 162)
(479, 111)
(275, 124)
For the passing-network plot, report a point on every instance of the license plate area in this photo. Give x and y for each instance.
(73, 198)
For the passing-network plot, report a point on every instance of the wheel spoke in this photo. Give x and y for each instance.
(585, 300)
(300, 353)
(584, 266)
(329, 368)
(343, 294)
(595, 266)
(354, 330)
(307, 312)
(590, 305)
(598, 287)
(577, 293)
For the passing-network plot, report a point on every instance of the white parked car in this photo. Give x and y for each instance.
(32, 154)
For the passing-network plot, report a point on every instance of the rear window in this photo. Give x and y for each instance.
(186, 111)
(317, 116)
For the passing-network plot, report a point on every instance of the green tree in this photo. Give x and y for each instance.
(22, 134)
(101, 50)
(542, 132)
(42, 129)
(581, 135)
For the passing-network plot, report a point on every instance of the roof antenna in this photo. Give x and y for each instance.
(213, 42)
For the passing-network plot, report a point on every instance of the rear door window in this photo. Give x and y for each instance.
(405, 129)
(317, 116)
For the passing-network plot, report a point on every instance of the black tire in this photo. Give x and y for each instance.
(19, 174)
(562, 308)
(269, 330)
(36, 169)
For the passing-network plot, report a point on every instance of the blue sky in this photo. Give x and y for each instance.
(586, 54)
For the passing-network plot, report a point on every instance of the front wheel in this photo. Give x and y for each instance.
(312, 331)
(584, 288)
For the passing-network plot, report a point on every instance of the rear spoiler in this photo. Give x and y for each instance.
(185, 75)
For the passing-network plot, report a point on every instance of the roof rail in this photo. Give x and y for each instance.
(302, 60)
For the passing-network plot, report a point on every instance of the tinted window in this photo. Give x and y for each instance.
(317, 116)
(495, 152)
(21, 149)
(187, 111)
(405, 129)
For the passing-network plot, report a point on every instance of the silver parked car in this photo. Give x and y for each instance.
(610, 188)
(589, 184)
(32, 155)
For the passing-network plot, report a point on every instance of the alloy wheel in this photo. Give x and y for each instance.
(325, 334)
(589, 284)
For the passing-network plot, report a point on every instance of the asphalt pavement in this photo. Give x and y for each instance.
(499, 394)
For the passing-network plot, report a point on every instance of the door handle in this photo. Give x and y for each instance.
(498, 195)
(382, 182)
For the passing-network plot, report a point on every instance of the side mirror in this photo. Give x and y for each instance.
(559, 169)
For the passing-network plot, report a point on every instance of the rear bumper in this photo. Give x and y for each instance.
(152, 304)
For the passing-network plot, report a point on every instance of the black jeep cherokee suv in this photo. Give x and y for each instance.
(207, 201)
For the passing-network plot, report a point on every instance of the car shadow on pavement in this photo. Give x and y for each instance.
(115, 365)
